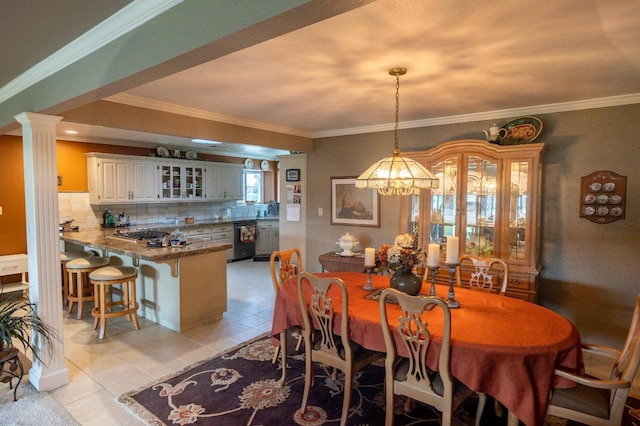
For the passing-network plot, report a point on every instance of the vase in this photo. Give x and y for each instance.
(406, 281)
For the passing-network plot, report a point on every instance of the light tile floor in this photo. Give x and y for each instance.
(126, 359)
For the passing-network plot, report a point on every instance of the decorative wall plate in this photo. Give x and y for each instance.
(264, 165)
(191, 155)
(603, 196)
(248, 163)
(162, 151)
(522, 130)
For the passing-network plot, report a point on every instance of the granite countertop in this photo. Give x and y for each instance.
(103, 239)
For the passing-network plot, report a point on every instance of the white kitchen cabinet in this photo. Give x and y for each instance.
(121, 179)
(224, 234)
(181, 181)
(225, 182)
(268, 238)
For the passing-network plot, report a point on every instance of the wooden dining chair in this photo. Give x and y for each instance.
(321, 344)
(484, 277)
(600, 402)
(285, 264)
(411, 376)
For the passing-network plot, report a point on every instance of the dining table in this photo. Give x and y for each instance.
(501, 346)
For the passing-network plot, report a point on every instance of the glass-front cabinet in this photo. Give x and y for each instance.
(180, 182)
(488, 197)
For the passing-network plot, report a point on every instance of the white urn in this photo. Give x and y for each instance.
(346, 243)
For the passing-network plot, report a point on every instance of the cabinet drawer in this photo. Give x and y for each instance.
(522, 282)
(223, 228)
(219, 236)
(198, 231)
(268, 224)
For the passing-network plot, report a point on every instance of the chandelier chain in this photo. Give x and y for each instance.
(397, 126)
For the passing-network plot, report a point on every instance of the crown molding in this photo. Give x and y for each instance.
(632, 98)
(121, 22)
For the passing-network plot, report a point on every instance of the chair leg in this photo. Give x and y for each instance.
(276, 352)
(299, 343)
(482, 399)
(283, 351)
(346, 400)
(308, 378)
(388, 389)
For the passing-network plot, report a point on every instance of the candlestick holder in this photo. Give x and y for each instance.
(451, 298)
(433, 270)
(368, 286)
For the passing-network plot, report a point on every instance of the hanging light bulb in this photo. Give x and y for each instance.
(397, 175)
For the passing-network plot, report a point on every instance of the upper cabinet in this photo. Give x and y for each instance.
(121, 179)
(488, 197)
(225, 182)
(180, 181)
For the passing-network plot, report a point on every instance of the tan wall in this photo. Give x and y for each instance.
(590, 271)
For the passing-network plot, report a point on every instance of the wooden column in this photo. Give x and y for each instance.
(43, 247)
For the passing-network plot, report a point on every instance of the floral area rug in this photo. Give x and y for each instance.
(240, 387)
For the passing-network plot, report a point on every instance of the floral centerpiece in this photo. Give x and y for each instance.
(400, 258)
(403, 254)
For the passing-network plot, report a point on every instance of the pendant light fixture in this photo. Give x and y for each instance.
(397, 175)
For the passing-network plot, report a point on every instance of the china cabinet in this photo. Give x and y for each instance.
(121, 179)
(182, 181)
(488, 196)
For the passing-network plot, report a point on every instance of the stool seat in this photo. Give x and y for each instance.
(109, 273)
(65, 257)
(80, 267)
(103, 279)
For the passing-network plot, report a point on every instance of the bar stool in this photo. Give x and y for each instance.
(65, 257)
(78, 289)
(102, 280)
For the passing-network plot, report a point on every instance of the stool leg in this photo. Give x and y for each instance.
(70, 295)
(80, 291)
(96, 305)
(103, 319)
(133, 303)
(65, 284)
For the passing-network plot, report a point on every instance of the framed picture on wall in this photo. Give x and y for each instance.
(293, 175)
(353, 206)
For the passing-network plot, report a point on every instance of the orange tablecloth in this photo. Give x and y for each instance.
(501, 346)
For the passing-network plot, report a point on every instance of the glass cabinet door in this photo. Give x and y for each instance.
(517, 211)
(480, 206)
(171, 184)
(444, 219)
(194, 182)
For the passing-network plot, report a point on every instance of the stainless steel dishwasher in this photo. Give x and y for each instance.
(244, 239)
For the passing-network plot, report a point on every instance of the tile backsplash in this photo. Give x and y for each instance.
(76, 206)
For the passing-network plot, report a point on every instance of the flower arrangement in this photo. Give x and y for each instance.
(403, 254)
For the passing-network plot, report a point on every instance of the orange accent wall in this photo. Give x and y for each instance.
(13, 228)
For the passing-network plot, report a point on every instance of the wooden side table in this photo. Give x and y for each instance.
(333, 262)
(11, 368)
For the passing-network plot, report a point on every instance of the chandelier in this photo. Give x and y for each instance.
(397, 175)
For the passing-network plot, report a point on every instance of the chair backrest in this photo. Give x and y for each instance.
(319, 314)
(626, 366)
(285, 264)
(483, 277)
(413, 330)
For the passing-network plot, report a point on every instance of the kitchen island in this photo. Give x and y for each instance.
(179, 288)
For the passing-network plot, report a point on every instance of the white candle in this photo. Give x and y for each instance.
(433, 255)
(453, 244)
(369, 256)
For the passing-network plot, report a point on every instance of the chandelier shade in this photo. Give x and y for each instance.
(397, 175)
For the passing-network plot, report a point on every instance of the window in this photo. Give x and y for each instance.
(253, 186)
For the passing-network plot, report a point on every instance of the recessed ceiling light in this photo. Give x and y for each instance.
(71, 132)
(206, 142)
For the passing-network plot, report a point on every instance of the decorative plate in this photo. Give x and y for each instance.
(609, 186)
(248, 163)
(616, 211)
(588, 211)
(162, 151)
(264, 165)
(615, 199)
(191, 155)
(602, 199)
(522, 130)
(595, 186)
(602, 211)
(589, 198)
